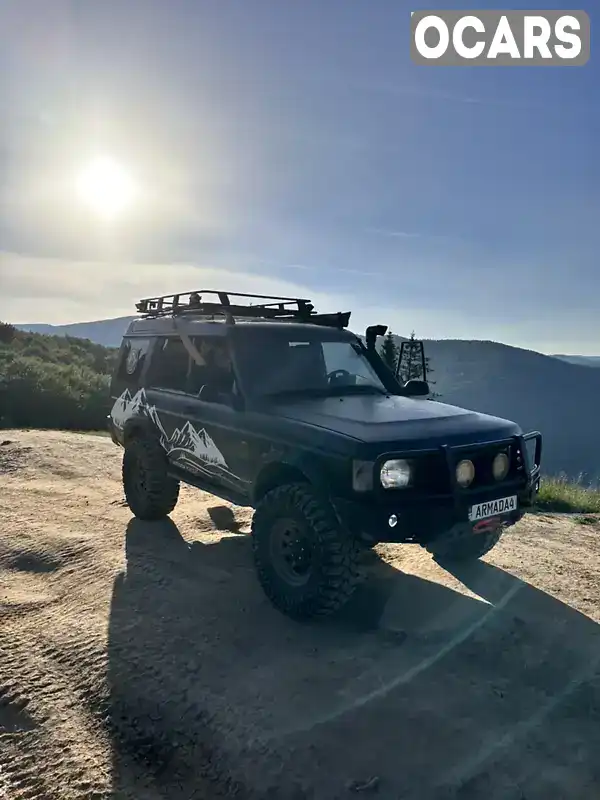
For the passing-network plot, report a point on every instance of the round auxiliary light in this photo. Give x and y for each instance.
(465, 473)
(500, 466)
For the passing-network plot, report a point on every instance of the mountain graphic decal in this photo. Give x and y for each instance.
(197, 443)
(196, 447)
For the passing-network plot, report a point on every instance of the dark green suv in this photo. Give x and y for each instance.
(266, 403)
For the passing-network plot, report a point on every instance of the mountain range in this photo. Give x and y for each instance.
(107, 332)
(586, 361)
(557, 395)
(539, 392)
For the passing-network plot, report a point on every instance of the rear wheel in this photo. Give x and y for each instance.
(150, 492)
(464, 547)
(306, 564)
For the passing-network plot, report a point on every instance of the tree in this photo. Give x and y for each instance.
(411, 367)
(389, 351)
(7, 332)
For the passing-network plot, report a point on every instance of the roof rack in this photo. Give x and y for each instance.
(281, 309)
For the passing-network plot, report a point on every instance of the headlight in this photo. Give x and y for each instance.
(465, 473)
(395, 474)
(500, 466)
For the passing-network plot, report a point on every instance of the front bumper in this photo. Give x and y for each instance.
(423, 517)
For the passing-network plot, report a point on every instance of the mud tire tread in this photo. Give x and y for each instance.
(161, 492)
(338, 572)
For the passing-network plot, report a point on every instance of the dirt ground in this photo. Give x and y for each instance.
(142, 660)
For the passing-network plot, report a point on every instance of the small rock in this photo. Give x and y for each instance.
(5, 442)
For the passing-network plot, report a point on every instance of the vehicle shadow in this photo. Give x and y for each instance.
(213, 693)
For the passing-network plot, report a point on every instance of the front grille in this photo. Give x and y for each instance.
(433, 473)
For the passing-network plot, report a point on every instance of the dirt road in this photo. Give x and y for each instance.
(142, 660)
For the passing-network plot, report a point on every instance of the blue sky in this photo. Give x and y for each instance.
(295, 147)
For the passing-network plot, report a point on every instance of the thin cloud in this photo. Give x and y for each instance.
(395, 234)
(324, 270)
(400, 234)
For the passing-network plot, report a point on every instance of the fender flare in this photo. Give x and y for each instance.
(136, 426)
(297, 468)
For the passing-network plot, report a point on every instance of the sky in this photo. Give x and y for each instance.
(294, 148)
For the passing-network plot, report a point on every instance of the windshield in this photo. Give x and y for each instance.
(272, 364)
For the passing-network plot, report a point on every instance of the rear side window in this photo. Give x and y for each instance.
(216, 370)
(211, 380)
(132, 360)
(170, 365)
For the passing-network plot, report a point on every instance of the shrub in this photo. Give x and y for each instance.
(54, 382)
(564, 495)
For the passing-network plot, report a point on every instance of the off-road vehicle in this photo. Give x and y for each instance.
(266, 403)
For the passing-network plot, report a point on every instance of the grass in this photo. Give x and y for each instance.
(571, 497)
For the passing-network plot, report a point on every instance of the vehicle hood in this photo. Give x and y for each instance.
(397, 421)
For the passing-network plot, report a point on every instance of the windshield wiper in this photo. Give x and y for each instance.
(298, 392)
(326, 391)
(364, 388)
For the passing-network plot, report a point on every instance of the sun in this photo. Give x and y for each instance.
(106, 187)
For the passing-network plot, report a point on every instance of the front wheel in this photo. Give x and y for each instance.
(150, 492)
(306, 563)
(467, 546)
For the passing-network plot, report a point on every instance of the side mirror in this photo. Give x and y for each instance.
(415, 388)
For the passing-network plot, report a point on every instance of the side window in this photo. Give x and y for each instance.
(213, 380)
(170, 365)
(131, 361)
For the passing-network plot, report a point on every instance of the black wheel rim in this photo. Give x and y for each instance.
(291, 552)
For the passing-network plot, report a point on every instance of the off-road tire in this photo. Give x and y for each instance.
(150, 492)
(334, 573)
(464, 547)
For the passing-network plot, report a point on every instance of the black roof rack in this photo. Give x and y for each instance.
(282, 309)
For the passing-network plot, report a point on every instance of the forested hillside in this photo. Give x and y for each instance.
(53, 382)
(538, 392)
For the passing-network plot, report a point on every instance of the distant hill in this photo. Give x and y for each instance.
(584, 361)
(107, 332)
(547, 393)
(538, 392)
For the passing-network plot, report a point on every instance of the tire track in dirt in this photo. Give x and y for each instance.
(142, 661)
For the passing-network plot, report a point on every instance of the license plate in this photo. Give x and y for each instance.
(493, 508)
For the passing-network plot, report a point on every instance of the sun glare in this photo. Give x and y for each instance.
(106, 187)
